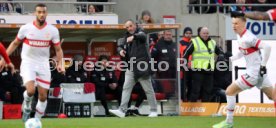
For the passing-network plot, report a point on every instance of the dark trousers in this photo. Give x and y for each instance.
(101, 92)
(202, 86)
(186, 83)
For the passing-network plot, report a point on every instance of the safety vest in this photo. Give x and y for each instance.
(202, 57)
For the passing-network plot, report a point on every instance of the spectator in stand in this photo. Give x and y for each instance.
(240, 8)
(6, 7)
(165, 50)
(76, 73)
(11, 86)
(153, 40)
(186, 80)
(262, 8)
(160, 35)
(146, 18)
(106, 82)
(91, 9)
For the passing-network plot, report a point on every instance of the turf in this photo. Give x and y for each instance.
(145, 122)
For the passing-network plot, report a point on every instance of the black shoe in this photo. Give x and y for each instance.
(135, 112)
(129, 112)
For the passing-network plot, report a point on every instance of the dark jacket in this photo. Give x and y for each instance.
(57, 78)
(79, 76)
(139, 49)
(103, 78)
(165, 51)
(9, 80)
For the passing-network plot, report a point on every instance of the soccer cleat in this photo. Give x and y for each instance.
(153, 114)
(26, 110)
(223, 124)
(118, 113)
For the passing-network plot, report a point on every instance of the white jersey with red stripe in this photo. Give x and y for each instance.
(36, 51)
(272, 14)
(248, 45)
(37, 42)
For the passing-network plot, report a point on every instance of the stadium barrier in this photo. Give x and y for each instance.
(241, 109)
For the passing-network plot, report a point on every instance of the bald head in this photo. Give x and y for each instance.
(130, 26)
(204, 33)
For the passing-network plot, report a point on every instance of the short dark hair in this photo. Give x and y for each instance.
(242, 18)
(199, 30)
(40, 5)
(103, 57)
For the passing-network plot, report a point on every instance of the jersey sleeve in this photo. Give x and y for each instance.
(21, 33)
(272, 14)
(253, 41)
(55, 38)
(4, 54)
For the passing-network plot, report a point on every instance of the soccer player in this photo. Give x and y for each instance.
(269, 15)
(249, 48)
(6, 59)
(37, 37)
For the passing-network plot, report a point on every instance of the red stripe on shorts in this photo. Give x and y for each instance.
(43, 81)
(246, 82)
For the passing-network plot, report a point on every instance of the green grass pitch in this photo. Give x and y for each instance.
(145, 122)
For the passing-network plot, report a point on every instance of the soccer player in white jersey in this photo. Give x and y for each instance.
(249, 48)
(256, 15)
(37, 38)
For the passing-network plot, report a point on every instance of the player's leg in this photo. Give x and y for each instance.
(43, 82)
(243, 83)
(42, 101)
(231, 93)
(27, 102)
(268, 92)
(267, 88)
(28, 76)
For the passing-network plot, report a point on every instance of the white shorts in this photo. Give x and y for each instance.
(40, 73)
(247, 82)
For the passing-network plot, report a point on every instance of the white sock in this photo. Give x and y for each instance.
(231, 102)
(40, 109)
(27, 99)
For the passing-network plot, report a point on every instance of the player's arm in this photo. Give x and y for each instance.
(4, 54)
(9, 51)
(265, 52)
(14, 44)
(59, 54)
(256, 15)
